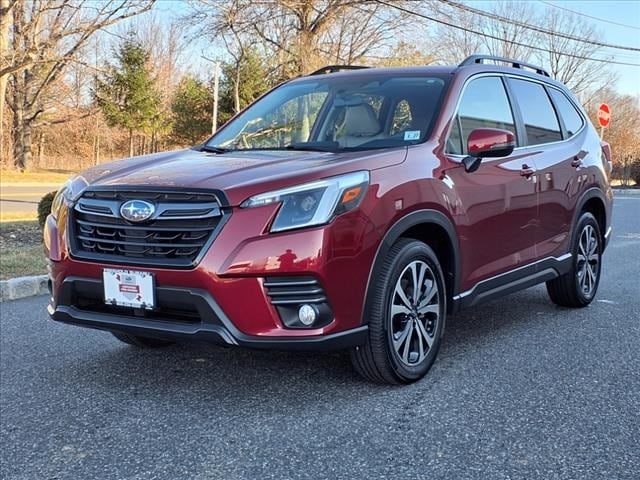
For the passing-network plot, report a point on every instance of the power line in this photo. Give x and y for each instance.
(537, 29)
(469, 30)
(591, 17)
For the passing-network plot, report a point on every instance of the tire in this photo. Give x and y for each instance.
(141, 342)
(577, 288)
(402, 346)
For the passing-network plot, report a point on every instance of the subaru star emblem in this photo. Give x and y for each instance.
(137, 210)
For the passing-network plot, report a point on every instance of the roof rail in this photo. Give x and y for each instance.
(474, 59)
(336, 68)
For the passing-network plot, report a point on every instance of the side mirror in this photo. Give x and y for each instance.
(487, 142)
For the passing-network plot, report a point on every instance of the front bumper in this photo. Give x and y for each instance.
(204, 321)
(229, 297)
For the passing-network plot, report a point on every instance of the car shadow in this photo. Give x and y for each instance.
(187, 372)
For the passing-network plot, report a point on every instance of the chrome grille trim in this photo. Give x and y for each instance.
(294, 290)
(177, 235)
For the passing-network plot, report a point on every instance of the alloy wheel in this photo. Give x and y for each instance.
(588, 261)
(414, 313)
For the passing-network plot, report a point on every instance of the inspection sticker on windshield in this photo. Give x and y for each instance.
(128, 288)
(412, 135)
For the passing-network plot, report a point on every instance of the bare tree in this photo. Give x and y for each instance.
(301, 35)
(47, 37)
(576, 73)
(518, 30)
(6, 16)
(623, 132)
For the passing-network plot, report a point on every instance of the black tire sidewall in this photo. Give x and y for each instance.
(411, 252)
(586, 219)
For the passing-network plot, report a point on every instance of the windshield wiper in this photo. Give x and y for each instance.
(209, 148)
(332, 147)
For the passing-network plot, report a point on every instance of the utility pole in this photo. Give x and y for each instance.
(96, 148)
(216, 82)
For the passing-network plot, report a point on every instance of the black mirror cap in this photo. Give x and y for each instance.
(471, 164)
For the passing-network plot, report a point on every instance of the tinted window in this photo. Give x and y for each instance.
(540, 121)
(484, 104)
(572, 119)
(337, 112)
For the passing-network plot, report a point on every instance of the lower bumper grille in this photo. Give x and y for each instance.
(294, 290)
(288, 294)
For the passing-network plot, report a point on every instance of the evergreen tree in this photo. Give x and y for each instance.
(242, 82)
(127, 94)
(191, 111)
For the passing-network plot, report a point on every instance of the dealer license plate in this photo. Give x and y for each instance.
(129, 288)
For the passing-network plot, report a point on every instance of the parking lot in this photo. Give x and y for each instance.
(521, 389)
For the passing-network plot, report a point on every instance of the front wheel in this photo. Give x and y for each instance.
(578, 287)
(406, 316)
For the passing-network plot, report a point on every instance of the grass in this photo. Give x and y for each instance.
(21, 250)
(17, 216)
(45, 176)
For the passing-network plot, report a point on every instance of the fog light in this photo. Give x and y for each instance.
(307, 314)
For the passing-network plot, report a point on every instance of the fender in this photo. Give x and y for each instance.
(412, 219)
(593, 192)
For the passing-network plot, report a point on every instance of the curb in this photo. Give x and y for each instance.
(626, 191)
(22, 287)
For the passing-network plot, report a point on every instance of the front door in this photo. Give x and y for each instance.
(496, 206)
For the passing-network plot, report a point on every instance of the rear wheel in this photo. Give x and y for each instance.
(141, 342)
(406, 316)
(578, 287)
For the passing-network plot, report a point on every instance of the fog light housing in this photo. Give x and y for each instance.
(307, 314)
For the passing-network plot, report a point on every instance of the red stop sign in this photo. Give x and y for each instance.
(604, 115)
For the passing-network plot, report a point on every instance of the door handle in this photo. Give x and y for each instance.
(527, 171)
(576, 162)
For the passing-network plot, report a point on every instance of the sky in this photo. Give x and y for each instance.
(624, 12)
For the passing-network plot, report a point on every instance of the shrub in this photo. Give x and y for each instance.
(44, 208)
(634, 172)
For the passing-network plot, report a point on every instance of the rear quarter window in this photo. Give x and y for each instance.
(573, 121)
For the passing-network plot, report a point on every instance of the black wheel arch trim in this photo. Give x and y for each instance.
(593, 192)
(410, 220)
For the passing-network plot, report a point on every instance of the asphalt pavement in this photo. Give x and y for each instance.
(521, 389)
(23, 198)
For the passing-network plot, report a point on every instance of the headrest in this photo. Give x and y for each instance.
(361, 121)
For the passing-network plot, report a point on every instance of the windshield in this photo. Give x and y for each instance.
(333, 114)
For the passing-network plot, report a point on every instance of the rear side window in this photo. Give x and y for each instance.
(484, 104)
(572, 119)
(540, 121)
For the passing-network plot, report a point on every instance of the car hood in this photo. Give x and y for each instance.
(238, 174)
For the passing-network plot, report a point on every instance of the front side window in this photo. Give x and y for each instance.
(484, 104)
(572, 119)
(538, 115)
(336, 113)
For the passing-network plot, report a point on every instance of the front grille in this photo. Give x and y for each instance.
(181, 228)
(294, 290)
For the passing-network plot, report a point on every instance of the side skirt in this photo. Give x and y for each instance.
(513, 281)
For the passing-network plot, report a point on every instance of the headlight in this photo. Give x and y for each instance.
(68, 193)
(313, 203)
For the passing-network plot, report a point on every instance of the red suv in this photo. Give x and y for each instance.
(351, 208)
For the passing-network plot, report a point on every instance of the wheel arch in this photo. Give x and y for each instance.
(592, 201)
(436, 230)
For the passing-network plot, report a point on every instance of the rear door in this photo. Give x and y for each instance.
(497, 204)
(555, 148)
